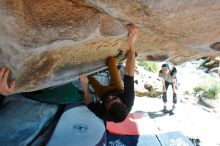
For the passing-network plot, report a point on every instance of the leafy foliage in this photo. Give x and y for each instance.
(212, 91)
(149, 65)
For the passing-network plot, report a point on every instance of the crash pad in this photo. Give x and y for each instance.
(78, 126)
(134, 124)
(64, 94)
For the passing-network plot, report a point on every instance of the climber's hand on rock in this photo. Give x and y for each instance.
(5, 89)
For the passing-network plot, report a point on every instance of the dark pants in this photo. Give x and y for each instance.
(164, 97)
(1, 99)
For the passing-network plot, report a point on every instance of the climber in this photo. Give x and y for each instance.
(116, 99)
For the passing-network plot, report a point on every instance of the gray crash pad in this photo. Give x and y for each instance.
(175, 138)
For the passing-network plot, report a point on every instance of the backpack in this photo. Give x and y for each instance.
(173, 71)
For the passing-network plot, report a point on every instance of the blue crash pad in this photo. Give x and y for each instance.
(131, 140)
(22, 119)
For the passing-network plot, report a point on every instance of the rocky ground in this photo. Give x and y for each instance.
(192, 117)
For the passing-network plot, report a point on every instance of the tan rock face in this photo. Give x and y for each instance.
(49, 42)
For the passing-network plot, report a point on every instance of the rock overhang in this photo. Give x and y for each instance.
(47, 43)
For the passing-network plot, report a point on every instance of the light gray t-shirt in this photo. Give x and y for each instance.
(167, 77)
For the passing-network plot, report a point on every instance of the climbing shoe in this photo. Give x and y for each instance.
(165, 109)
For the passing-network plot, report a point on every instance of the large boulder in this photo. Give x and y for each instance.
(49, 42)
